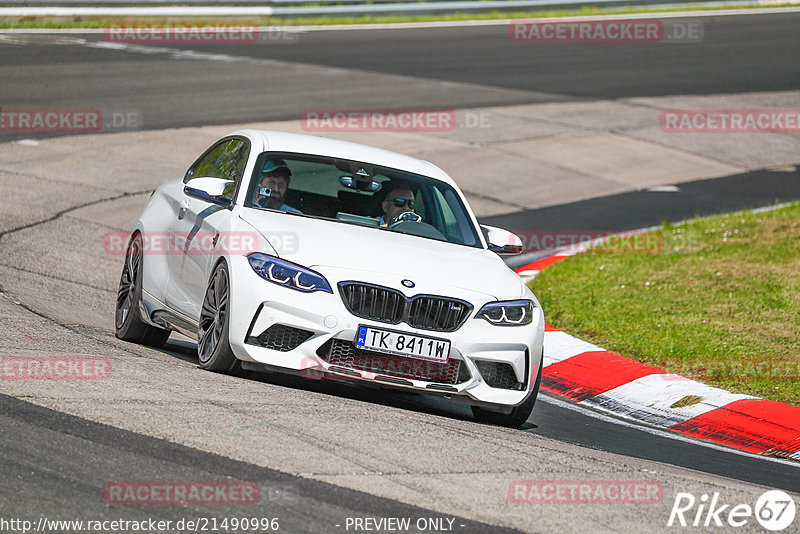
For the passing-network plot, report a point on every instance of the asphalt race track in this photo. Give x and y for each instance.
(64, 463)
(322, 452)
(474, 66)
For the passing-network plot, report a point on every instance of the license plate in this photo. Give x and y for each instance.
(402, 344)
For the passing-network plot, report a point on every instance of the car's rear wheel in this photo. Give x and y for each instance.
(213, 349)
(128, 322)
(519, 414)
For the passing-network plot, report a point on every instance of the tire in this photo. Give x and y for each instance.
(519, 414)
(127, 321)
(213, 348)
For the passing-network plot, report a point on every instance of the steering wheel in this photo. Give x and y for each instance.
(406, 216)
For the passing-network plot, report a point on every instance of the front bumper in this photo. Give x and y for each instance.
(313, 333)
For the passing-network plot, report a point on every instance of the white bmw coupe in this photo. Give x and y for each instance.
(297, 253)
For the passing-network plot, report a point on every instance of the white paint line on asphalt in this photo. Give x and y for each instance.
(171, 11)
(594, 414)
(500, 22)
(540, 255)
(766, 208)
(174, 53)
(267, 11)
(663, 189)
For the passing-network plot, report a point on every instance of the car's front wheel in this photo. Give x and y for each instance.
(213, 349)
(128, 323)
(519, 414)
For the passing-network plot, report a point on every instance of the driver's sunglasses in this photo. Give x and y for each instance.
(400, 202)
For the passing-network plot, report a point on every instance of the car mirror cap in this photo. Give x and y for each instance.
(210, 190)
(502, 241)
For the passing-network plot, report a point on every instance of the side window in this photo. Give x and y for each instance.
(231, 165)
(203, 168)
(225, 160)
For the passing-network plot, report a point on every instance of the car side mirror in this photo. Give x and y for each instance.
(502, 241)
(210, 190)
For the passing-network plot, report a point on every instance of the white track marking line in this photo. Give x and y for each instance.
(187, 11)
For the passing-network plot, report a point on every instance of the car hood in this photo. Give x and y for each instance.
(319, 243)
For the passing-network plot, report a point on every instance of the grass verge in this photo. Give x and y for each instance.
(30, 22)
(720, 302)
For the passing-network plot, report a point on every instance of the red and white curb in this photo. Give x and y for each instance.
(603, 380)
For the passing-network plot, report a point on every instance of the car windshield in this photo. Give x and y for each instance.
(358, 193)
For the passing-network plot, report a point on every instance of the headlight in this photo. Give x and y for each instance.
(287, 274)
(508, 313)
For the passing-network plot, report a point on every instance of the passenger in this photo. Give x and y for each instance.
(272, 186)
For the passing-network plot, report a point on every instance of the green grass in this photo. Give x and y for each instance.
(101, 22)
(720, 303)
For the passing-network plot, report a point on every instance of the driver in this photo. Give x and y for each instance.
(272, 186)
(399, 200)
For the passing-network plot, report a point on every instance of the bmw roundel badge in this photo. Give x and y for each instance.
(407, 283)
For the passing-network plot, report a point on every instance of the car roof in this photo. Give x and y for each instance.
(276, 141)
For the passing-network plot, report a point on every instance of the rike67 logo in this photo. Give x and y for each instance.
(774, 510)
